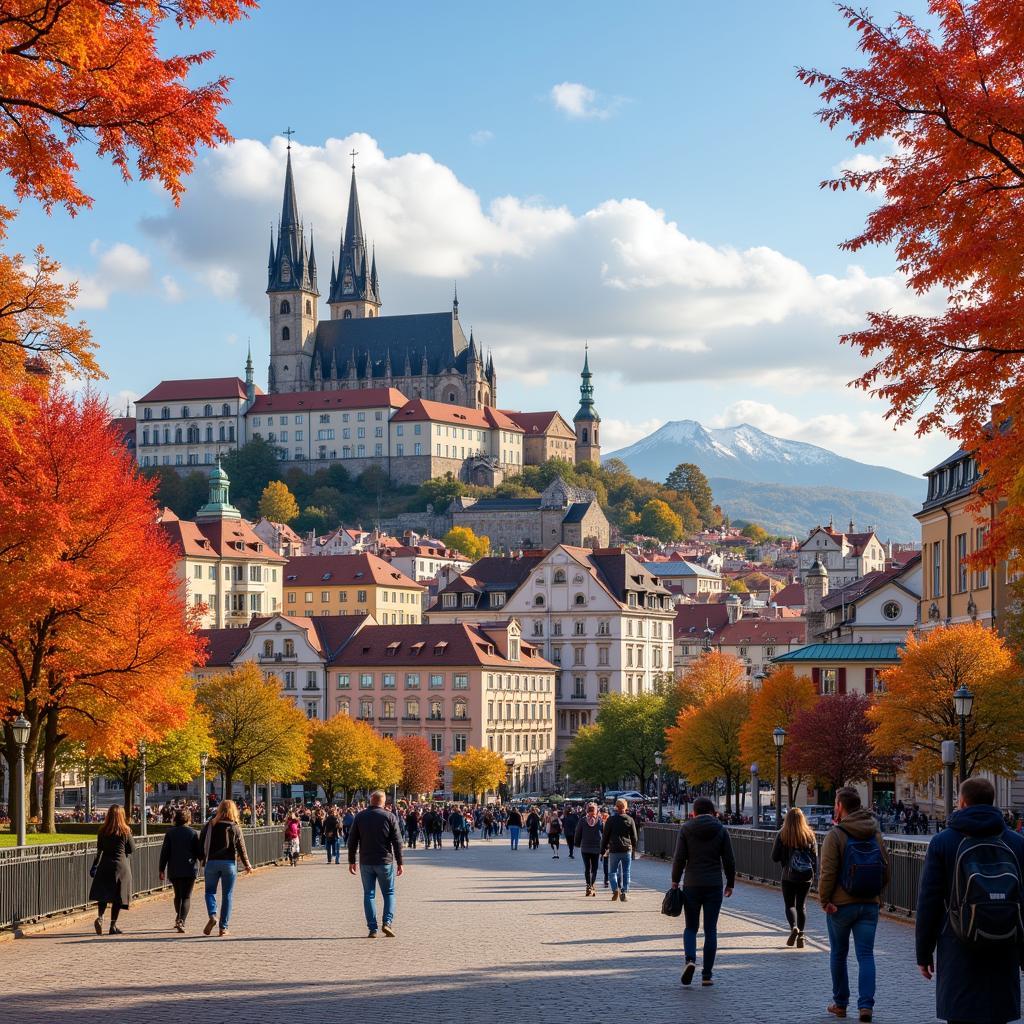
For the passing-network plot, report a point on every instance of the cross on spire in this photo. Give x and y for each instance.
(289, 132)
(354, 154)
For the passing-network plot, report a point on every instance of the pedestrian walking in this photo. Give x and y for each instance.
(412, 827)
(796, 849)
(854, 872)
(375, 838)
(533, 829)
(457, 823)
(179, 861)
(604, 855)
(111, 869)
(222, 845)
(587, 836)
(331, 831)
(703, 855)
(570, 822)
(346, 823)
(619, 840)
(554, 833)
(969, 912)
(515, 825)
(292, 831)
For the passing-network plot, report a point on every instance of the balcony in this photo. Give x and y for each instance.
(388, 718)
(435, 718)
(270, 658)
(365, 718)
(410, 718)
(578, 696)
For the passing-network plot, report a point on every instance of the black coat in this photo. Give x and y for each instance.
(181, 852)
(113, 881)
(972, 984)
(703, 852)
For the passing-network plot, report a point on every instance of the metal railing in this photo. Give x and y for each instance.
(753, 851)
(40, 881)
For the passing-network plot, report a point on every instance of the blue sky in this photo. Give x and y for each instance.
(644, 177)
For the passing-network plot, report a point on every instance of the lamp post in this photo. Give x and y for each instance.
(948, 762)
(21, 729)
(658, 759)
(204, 760)
(963, 701)
(755, 793)
(566, 785)
(779, 739)
(142, 787)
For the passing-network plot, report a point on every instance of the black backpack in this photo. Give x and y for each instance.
(801, 866)
(986, 900)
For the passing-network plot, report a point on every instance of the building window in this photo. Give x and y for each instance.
(366, 709)
(387, 680)
(436, 710)
(891, 609)
(961, 562)
(343, 681)
(437, 742)
(365, 680)
(460, 742)
(937, 569)
(285, 334)
(436, 681)
(412, 708)
(602, 685)
(829, 677)
(460, 681)
(285, 306)
(412, 680)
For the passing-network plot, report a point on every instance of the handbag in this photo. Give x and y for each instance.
(672, 904)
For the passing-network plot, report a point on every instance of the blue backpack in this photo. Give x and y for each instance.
(862, 874)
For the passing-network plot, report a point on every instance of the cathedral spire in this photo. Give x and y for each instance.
(587, 421)
(355, 291)
(354, 222)
(455, 302)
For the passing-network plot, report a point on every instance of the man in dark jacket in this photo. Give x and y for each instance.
(569, 823)
(703, 853)
(619, 840)
(975, 984)
(332, 835)
(376, 838)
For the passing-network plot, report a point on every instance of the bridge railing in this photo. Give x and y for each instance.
(41, 881)
(753, 850)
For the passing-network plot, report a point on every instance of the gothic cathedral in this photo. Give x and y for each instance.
(423, 355)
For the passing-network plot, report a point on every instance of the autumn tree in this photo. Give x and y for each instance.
(388, 763)
(257, 733)
(689, 479)
(94, 633)
(830, 741)
(755, 532)
(477, 771)
(915, 711)
(420, 766)
(462, 538)
(658, 520)
(277, 503)
(943, 101)
(340, 755)
(782, 696)
(711, 675)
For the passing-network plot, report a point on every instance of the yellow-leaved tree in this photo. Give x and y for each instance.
(915, 711)
(277, 503)
(477, 771)
(462, 538)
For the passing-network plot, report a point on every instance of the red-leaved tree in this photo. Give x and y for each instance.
(420, 766)
(831, 741)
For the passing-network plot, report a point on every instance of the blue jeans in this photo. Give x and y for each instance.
(513, 831)
(225, 872)
(697, 898)
(333, 847)
(860, 919)
(617, 861)
(372, 876)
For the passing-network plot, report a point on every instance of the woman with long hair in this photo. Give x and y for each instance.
(796, 849)
(222, 845)
(111, 870)
(179, 861)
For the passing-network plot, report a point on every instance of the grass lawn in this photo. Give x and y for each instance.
(39, 838)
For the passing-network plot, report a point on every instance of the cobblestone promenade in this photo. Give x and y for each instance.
(484, 935)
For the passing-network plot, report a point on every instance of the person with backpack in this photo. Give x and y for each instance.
(702, 856)
(969, 912)
(554, 833)
(331, 832)
(854, 872)
(570, 821)
(796, 850)
(588, 838)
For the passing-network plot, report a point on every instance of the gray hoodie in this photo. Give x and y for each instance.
(703, 852)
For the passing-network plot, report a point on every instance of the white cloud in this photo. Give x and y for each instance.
(581, 102)
(617, 434)
(171, 289)
(119, 268)
(535, 279)
(481, 137)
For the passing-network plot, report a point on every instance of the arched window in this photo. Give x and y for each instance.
(268, 648)
(595, 435)
(225, 409)
(207, 410)
(309, 306)
(584, 435)
(559, 575)
(451, 396)
(193, 434)
(221, 433)
(289, 648)
(286, 306)
(209, 434)
(459, 709)
(580, 599)
(347, 315)
(538, 601)
(285, 334)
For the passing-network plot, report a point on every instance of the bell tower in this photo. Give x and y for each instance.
(355, 288)
(587, 421)
(293, 294)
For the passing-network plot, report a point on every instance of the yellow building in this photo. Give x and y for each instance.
(953, 591)
(351, 585)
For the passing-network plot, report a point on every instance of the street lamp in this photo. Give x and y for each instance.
(963, 701)
(566, 785)
(142, 786)
(658, 759)
(779, 739)
(20, 728)
(948, 761)
(755, 792)
(204, 760)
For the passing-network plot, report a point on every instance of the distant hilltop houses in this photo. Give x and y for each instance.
(410, 395)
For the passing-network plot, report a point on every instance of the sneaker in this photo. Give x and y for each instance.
(209, 926)
(800, 941)
(98, 925)
(114, 930)
(794, 934)
(223, 930)
(836, 1011)
(388, 931)
(622, 896)
(688, 972)
(180, 926)
(865, 1014)
(606, 883)
(372, 933)
(615, 896)
(706, 982)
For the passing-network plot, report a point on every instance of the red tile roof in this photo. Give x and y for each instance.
(791, 596)
(326, 634)
(778, 632)
(344, 571)
(215, 538)
(346, 398)
(422, 409)
(196, 390)
(223, 645)
(540, 422)
(692, 619)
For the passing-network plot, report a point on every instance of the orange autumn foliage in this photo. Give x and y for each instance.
(948, 101)
(74, 71)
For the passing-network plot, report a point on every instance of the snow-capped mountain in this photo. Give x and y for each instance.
(745, 453)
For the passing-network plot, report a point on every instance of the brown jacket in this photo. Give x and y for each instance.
(862, 825)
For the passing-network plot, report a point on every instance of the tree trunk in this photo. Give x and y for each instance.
(229, 781)
(728, 793)
(51, 745)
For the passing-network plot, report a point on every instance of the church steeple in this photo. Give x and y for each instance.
(355, 287)
(587, 421)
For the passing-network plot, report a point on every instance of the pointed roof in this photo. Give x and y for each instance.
(289, 204)
(586, 410)
(354, 222)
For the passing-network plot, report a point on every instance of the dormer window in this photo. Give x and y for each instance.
(440, 647)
